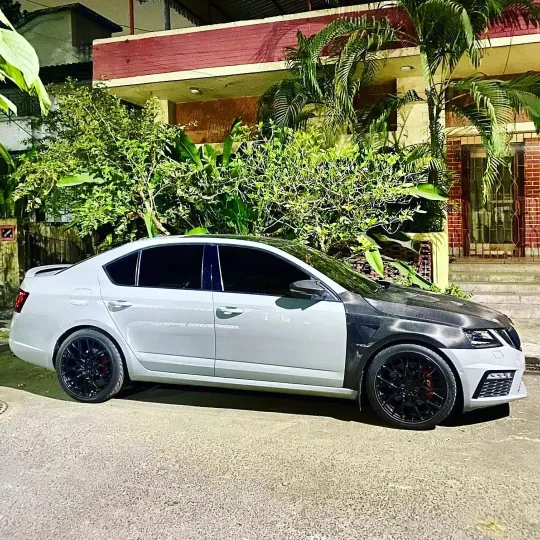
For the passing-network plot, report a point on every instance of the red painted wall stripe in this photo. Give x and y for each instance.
(221, 47)
(236, 45)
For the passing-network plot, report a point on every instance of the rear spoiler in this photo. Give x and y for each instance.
(39, 270)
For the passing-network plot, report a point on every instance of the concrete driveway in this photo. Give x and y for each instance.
(176, 463)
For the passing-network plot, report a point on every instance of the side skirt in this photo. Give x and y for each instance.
(243, 384)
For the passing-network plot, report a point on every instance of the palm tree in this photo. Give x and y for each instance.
(332, 66)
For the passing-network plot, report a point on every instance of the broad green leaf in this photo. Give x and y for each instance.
(236, 124)
(373, 257)
(404, 269)
(197, 230)
(399, 237)
(187, 149)
(150, 227)
(227, 150)
(14, 74)
(210, 153)
(429, 191)
(368, 241)
(417, 279)
(7, 105)
(15, 50)
(4, 154)
(43, 96)
(71, 180)
(4, 20)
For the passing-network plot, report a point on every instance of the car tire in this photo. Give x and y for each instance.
(410, 386)
(89, 366)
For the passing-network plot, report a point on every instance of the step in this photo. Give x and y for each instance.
(487, 276)
(510, 268)
(517, 311)
(502, 298)
(480, 287)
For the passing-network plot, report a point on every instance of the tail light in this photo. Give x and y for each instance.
(20, 301)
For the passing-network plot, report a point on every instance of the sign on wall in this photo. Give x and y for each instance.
(7, 233)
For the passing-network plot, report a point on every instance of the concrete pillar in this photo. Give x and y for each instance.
(168, 112)
(413, 120)
(413, 128)
(9, 265)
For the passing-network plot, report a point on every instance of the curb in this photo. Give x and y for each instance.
(532, 363)
(4, 347)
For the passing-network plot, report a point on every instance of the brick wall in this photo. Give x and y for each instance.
(455, 224)
(532, 195)
(212, 119)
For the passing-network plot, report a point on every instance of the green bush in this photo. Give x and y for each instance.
(120, 173)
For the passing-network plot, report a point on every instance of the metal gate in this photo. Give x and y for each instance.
(42, 250)
(503, 226)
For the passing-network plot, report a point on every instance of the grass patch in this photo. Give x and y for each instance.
(15, 373)
(4, 333)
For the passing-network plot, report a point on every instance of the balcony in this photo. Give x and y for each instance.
(248, 56)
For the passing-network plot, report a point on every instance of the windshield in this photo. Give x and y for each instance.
(335, 269)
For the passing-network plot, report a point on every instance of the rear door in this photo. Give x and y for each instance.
(262, 333)
(156, 300)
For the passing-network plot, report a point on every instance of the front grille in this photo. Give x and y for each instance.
(493, 387)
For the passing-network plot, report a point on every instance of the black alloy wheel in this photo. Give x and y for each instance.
(89, 366)
(411, 386)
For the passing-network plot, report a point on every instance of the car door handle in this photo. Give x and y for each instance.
(229, 310)
(118, 304)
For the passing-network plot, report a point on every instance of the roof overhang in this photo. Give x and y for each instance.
(245, 58)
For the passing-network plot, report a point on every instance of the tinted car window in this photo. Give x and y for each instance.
(253, 271)
(171, 267)
(122, 271)
(337, 270)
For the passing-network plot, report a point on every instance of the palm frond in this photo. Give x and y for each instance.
(284, 104)
(375, 117)
(495, 140)
(515, 13)
(490, 108)
(523, 94)
(448, 29)
(364, 36)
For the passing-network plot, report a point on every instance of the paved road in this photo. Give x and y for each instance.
(172, 463)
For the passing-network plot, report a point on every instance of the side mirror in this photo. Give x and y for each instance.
(308, 289)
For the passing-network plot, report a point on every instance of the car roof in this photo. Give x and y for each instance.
(216, 238)
(209, 237)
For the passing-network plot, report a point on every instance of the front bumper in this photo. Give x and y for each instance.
(472, 365)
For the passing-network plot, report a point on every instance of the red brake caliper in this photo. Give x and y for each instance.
(105, 364)
(429, 383)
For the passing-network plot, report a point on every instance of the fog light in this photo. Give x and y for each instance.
(500, 375)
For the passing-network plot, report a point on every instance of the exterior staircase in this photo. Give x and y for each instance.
(512, 288)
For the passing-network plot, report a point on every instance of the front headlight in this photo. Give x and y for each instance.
(482, 339)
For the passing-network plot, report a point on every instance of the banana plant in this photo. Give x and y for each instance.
(370, 242)
(20, 64)
(205, 156)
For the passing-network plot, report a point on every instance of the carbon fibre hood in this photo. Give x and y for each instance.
(416, 304)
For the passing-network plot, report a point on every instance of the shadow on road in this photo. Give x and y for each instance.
(17, 374)
(339, 409)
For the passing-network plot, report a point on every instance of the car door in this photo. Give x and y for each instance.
(263, 333)
(156, 300)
